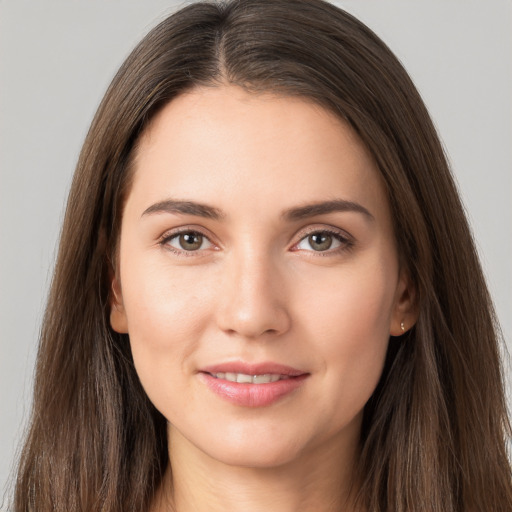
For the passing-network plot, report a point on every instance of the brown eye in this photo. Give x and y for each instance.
(320, 241)
(323, 241)
(188, 241)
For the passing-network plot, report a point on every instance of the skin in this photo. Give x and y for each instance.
(258, 289)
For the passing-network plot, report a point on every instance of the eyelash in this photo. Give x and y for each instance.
(346, 242)
(168, 236)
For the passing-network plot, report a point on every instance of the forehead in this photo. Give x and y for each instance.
(218, 143)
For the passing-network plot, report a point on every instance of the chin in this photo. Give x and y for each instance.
(251, 450)
(256, 456)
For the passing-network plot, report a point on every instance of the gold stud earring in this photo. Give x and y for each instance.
(402, 326)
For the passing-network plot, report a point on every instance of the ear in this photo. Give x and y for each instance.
(405, 310)
(118, 320)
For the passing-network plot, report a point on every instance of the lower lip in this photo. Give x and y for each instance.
(252, 395)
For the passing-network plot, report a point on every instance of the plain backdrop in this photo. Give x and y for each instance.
(57, 58)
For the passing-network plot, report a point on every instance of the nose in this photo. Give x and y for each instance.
(252, 301)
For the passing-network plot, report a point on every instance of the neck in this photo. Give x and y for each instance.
(319, 480)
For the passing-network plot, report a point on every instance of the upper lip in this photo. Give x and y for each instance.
(253, 368)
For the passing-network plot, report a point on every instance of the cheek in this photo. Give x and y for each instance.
(354, 304)
(163, 302)
(350, 324)
(166, 311)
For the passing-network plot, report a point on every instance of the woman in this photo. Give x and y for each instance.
(266, 289)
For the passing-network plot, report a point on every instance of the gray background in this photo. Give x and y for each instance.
(57, 57)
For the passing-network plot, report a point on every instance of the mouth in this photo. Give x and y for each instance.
(252, 385)
(252, 373)
(244, 378)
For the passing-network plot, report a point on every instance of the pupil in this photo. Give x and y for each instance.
(191, 241)
(320, 241)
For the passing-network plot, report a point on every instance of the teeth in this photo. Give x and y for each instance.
(264, 379)
(250, 379)
(244, 379)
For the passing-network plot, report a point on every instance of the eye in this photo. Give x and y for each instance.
(187, 241)
(323, 241)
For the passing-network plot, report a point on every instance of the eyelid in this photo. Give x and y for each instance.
(346, 239)
(174, 232)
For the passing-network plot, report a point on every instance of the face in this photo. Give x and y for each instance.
(257, 276)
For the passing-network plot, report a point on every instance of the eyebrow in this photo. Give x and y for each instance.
(185, 207)
(292, 214)
(324, 207)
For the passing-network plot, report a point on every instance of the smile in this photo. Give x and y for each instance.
(252, 385)
(243, 378)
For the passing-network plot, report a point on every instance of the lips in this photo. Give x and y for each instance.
(252, 385)
(244, 378)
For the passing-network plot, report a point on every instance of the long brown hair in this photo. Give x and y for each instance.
(435, 430)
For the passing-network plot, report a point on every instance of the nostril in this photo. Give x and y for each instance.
(253, 303)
